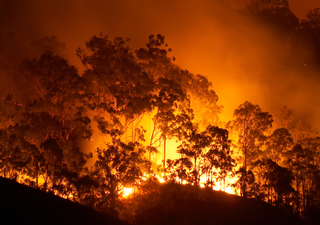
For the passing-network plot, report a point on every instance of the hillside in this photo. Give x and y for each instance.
(158, 204)
(184, 204)
(20, 204)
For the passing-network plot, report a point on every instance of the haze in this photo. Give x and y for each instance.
(207, 37)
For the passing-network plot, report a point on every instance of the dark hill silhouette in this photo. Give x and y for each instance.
(20, 204)
(184, 204)
(162, 204)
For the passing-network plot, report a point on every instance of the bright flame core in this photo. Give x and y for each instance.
(127, 192)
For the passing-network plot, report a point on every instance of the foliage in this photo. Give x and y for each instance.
(250, 123)
(273, 178)
(204, 153)
(119, 165)
(278, 143)
(40, 139)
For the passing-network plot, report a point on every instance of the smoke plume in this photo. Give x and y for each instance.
(244, 60)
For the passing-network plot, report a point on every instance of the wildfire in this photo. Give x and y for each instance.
(224, 186)
(166, 151)
(127, 192)
(161, 180)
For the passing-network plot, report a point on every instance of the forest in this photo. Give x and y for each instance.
(156, 122)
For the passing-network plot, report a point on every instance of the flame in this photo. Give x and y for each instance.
(221, 186)
(127, 192)
(161, 180)
(165, 151)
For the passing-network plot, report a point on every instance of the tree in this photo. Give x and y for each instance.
(313, 144)
(58, 90)
(126, 88)
(155, 61)
(51, 157)
(14, 161)
(119, 165)
(218, 160)
(250, 123)
(204, 153)
(310, 192)
(117, 89)
(13, 149)
(178, 170)
(10, 112)
(48, 128)
(193, 147)
(172, 106)
(301, 163)
(278, 143)
(274, 182)
(204, 101)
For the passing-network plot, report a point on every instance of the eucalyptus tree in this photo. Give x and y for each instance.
(205, 153)
(274, 183)
(118, 165)
(250, 123)
(277, 144)
(156, 60)
(191, 96)
(53, 122)
(303, 160)
(300, 161)
(117, 90)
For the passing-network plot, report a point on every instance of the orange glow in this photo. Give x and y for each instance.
(161, 180)
(127, 192)
(219, 186)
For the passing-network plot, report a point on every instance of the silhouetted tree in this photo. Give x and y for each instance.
(250, 123)
(274, 183)
(310, 191)
(155, 61)
(170, 104)
(300, 161)
(202, 153)
(118, 165)
(278, 143)
(178, 170)
(117, 89)
(47, 130)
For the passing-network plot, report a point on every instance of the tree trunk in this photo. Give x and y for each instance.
(164, 151)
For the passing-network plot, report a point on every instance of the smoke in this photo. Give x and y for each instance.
(12, 55)
(242, 60)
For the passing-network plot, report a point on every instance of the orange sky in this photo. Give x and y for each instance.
(205, 39)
